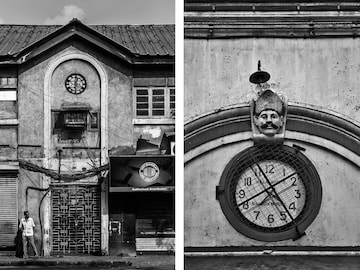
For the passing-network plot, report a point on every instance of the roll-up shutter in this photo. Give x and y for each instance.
(155, 229)
(8, 210)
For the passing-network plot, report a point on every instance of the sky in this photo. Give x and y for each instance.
(87, 11)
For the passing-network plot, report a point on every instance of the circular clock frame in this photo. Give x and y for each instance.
(75, 83)
(275, 192)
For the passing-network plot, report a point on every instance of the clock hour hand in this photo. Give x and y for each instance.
(272, 195)
(262, 184)
(269, 196)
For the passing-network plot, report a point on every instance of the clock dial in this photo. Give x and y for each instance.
(75, 84)
(270, 192)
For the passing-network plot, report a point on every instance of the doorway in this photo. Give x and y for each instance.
(76, 219)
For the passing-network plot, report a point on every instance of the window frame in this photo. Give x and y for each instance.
(58, 115)
(167, 107)
(8, 88)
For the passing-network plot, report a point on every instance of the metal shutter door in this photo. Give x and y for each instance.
(8, 211)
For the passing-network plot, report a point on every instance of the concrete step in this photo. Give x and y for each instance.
(7, 253)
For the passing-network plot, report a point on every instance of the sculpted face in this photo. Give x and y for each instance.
(269, 122)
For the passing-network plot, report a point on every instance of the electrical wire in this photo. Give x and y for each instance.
(63, 177)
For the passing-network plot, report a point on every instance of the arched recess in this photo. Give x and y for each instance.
(71, 55)
(305, 123)
(103, 100)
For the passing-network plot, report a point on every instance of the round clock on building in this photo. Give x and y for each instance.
(75, 84)
(270, 192)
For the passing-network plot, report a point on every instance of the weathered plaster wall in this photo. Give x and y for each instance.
(322, 72)
(335, 225)
(120, 107)
(8, 110)
(31, 139)
(31, 104)
(8, 142)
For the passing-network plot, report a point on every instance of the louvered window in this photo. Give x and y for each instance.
(172, 101)
(75, 119)
(155, 102)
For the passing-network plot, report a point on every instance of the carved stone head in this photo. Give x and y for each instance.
(268, 114)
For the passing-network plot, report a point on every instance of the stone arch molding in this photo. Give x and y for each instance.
(103, 100)
(305, 123)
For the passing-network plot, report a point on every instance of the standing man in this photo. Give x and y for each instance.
(27, 226)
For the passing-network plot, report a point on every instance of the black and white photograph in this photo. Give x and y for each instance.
(180, 134)
(87, 137)
(271, 138)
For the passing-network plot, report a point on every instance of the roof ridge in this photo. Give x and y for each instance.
(138, 39)
(60, 25)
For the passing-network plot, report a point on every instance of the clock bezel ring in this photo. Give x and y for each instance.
(308, 174)
(75, 91)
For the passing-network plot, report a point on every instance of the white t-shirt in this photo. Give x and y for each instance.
(28, 226)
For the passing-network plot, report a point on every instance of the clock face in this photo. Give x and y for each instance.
(279, 194)
(270, 192)
(75, 84)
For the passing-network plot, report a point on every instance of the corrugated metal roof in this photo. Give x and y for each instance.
(151, 40)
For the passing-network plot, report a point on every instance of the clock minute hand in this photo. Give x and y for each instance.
(261, 183)
(275, 193)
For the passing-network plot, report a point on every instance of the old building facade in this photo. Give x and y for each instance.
(239, 192)
(78, 104)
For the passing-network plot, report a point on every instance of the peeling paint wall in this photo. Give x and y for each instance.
(30, 93)
(120, 106)
(152, 133)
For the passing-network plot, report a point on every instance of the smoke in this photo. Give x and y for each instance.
(2, 21)
(66, 15)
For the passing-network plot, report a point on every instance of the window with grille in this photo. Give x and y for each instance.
(75, 119)
(155, 102)
(69, 120)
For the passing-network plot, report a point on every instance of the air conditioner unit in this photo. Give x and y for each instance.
(172, 148)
